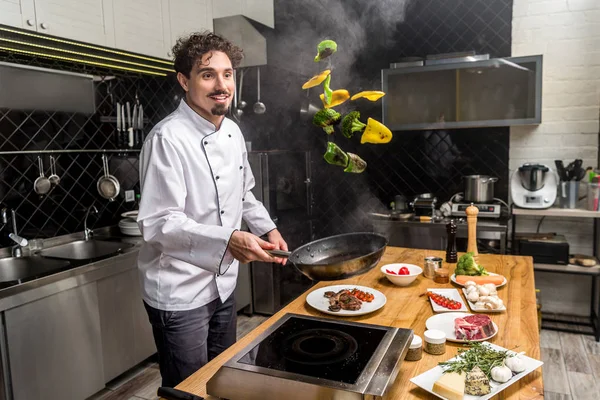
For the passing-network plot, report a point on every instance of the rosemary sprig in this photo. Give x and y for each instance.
(479, 355)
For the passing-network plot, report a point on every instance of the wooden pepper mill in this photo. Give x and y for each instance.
(472, 212)
(451, 256)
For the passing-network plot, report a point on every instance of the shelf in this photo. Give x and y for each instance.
(557, 212)
(567, 269)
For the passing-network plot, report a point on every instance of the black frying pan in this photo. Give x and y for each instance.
(337, 257)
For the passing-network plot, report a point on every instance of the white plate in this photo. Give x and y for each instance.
(317, 300)
(427, 379)
(451, 294)
(445, 323)
(130, 214)
(482, 309)
(453, 279)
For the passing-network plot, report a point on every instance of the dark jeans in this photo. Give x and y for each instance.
(187, 340)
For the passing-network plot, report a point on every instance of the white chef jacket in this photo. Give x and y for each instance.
(195, 190)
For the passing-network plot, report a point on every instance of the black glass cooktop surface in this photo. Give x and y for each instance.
(320, 349)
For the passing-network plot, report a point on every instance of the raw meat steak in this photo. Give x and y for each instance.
(473, 327)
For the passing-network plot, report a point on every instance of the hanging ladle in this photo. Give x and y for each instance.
(241, 103)
(236, 111)
(259, 108)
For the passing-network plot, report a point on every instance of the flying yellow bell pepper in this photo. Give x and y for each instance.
(337, 97)
(316, 80)
(372, 95)
(376, 132)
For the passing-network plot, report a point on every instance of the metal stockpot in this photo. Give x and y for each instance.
(479, 188)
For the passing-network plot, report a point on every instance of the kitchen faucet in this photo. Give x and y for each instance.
(88, 233)
(20, 241)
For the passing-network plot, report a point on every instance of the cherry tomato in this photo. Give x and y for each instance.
(404, 271)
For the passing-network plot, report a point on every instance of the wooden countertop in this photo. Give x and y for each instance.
(518, 326)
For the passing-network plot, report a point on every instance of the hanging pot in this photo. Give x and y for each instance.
(479, 188)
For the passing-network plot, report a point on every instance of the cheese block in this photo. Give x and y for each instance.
(450, 385)
(476, 383)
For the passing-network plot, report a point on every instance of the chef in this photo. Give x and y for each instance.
(195, 190)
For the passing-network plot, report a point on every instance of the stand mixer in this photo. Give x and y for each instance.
(533, 186)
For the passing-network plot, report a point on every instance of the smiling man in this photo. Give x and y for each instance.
(195, 185)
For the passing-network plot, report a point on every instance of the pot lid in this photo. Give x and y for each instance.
(533, 167)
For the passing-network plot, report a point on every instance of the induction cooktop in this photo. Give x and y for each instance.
(305, 357)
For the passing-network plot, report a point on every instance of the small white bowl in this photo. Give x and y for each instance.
(402, 280)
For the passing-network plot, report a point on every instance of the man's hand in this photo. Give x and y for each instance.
(246, 247)
(275, 238)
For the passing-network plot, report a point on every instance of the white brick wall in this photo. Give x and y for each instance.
(567, 33)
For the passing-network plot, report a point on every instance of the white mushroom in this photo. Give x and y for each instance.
(470, 283)
(472, 289)
(491, 288)
(483, 291)
(473, 296)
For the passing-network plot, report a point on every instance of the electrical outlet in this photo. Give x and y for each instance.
(129, 196)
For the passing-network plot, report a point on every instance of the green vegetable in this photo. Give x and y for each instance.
(325, 49)
(355, 164)
(466, 265)
(326, 119)
(335, 155)
(327, 92)
(479, 355)
(351, 123)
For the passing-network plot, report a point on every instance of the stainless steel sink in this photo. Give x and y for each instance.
(20, 269)
(85, 250)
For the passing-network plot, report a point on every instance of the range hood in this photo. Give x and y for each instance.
(241, 32)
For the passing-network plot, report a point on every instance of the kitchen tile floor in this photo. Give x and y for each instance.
(571, 367)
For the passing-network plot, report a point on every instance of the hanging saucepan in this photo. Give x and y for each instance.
(337, 257)
(108, 186)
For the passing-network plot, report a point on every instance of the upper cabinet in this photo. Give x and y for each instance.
(147, 27)
(495, 92)
(82, 20)
(18, 13)
(259, 10)
(140, 26)
(187, 16)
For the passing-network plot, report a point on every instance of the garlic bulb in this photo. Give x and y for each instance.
(473, 296)
(501, 374)
(515, 364)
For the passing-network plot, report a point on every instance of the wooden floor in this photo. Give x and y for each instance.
(571, 367)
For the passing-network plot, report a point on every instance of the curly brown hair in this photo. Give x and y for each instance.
(190, 50)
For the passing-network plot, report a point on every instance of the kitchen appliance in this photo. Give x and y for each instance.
(283, 185)
(479, 188)
(302, 357)
(533, 186)
(424, 205)
(546, 248)
(337, 257)
(488, 210)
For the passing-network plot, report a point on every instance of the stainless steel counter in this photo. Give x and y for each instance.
(433, 235)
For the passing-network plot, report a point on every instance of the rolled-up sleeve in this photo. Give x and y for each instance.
(162, 219)
(254, 212)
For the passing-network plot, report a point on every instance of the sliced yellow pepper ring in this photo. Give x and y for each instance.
(316, 80)
(337, 97)
(372, 95)
(376, 132)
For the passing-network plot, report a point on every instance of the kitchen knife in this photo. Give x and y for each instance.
(118, 144)
(123, 126)
(176, 394)
(141, 123)
(130, 127)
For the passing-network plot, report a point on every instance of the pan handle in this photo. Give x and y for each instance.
(279, 253)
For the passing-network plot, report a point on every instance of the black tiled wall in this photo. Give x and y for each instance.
(62, 210)
(370, 36)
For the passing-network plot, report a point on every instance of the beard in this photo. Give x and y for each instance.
(219, 109)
